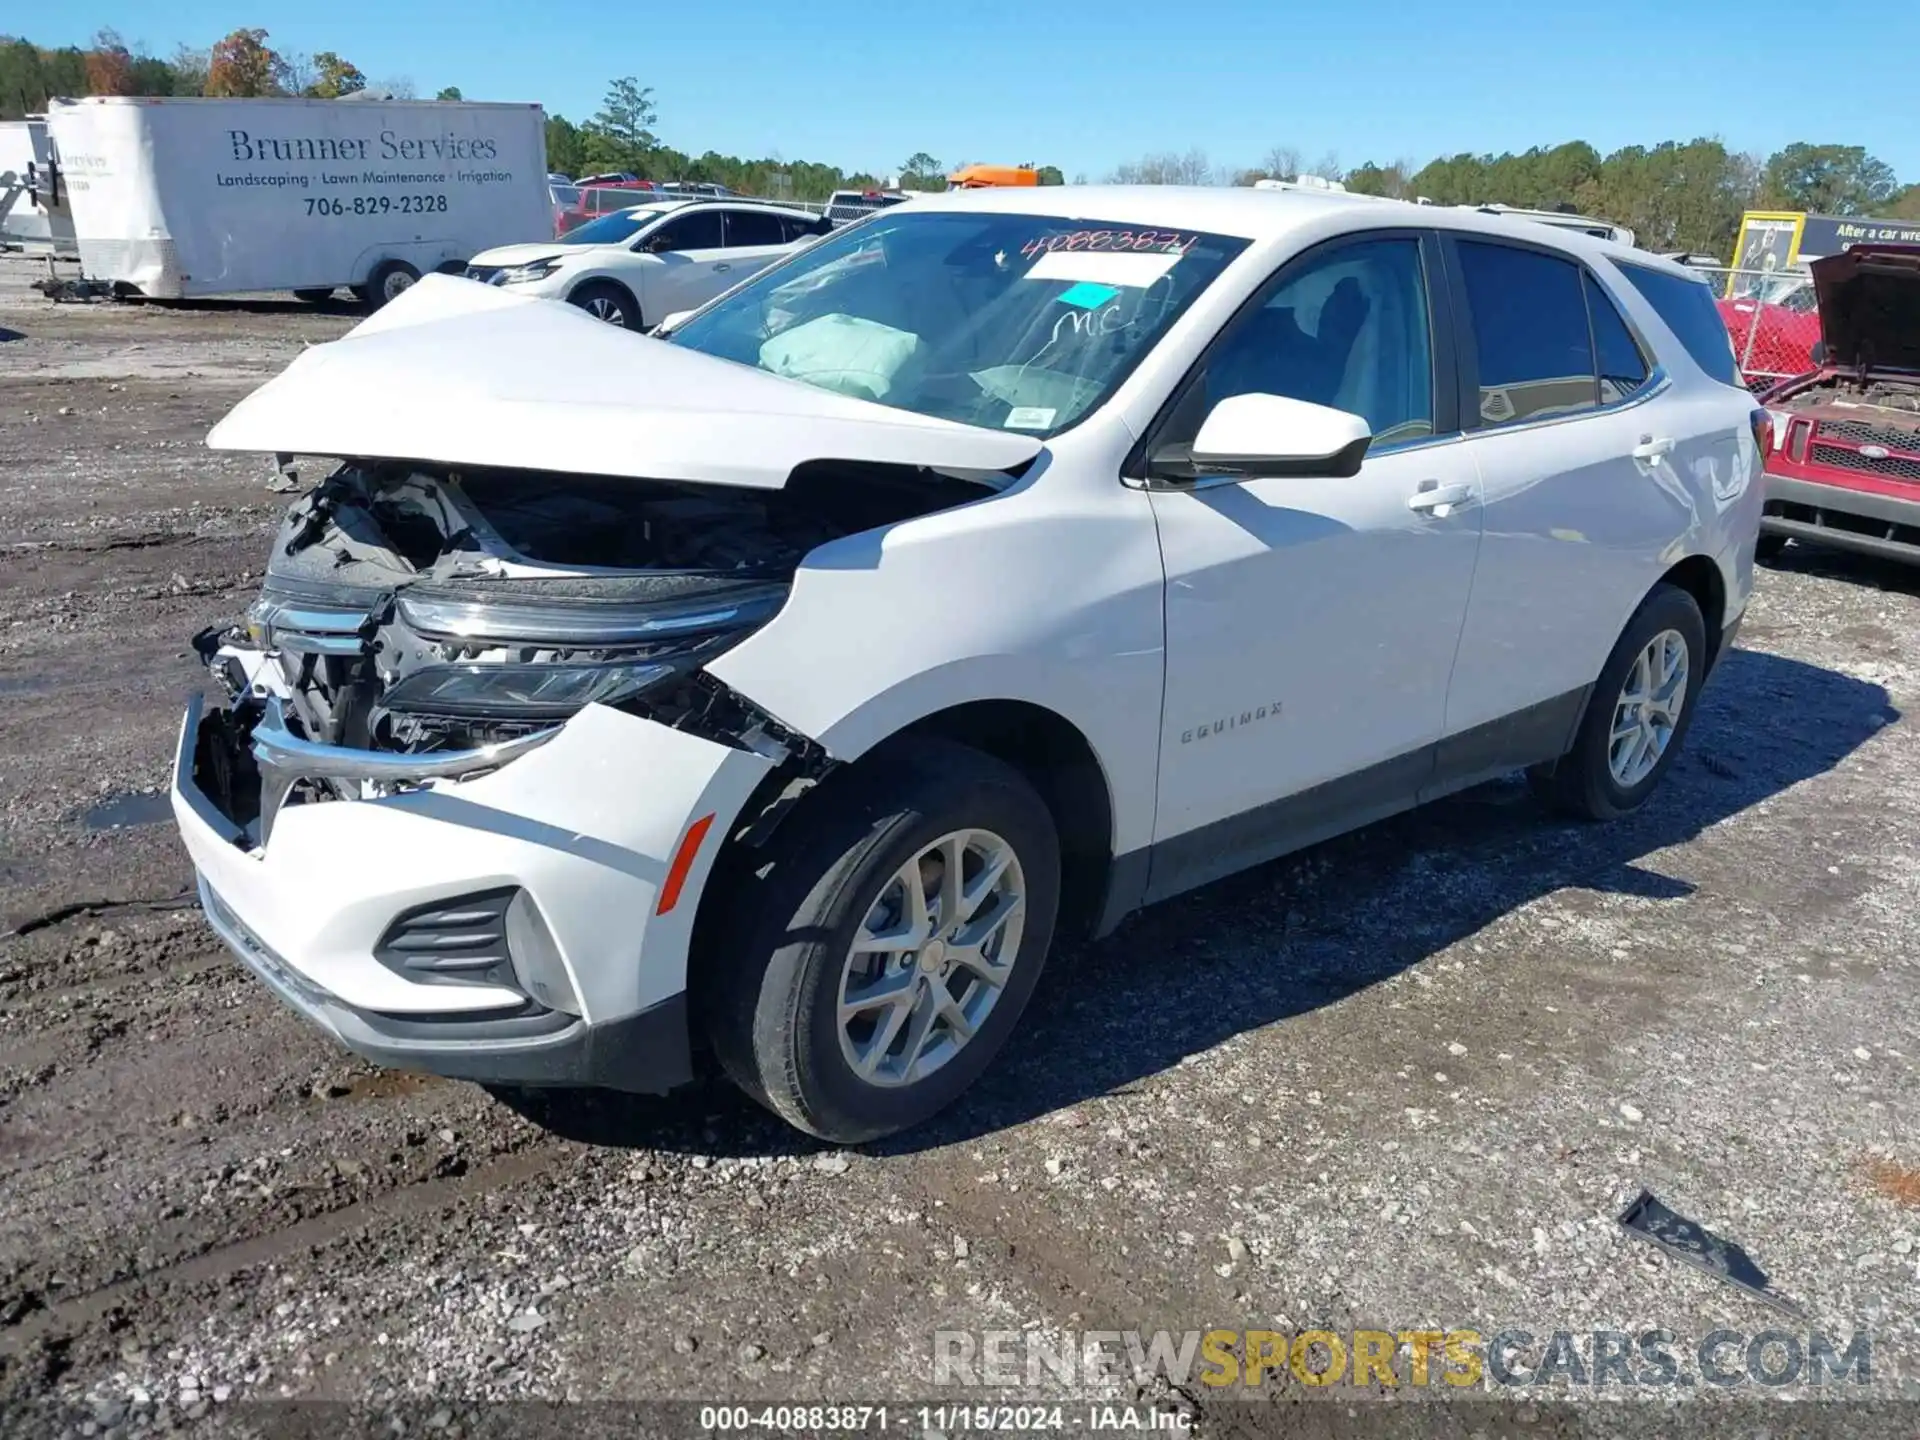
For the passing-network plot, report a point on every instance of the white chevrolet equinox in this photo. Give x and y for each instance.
(989, 569)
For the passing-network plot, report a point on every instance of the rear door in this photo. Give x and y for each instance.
(1311, 623)
(754, 240)
(1579, 471)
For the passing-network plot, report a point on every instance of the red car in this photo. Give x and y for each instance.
(1774, 332)
(1844, 464)
(603, 199)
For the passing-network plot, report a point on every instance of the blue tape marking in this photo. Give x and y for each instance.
(1087, 295)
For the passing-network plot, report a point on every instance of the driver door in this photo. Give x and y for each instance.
(693, 267)
(1311, 623)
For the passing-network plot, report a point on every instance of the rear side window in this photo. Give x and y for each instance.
(1623, 369)
(1688, 309)
(1530, 332)
(754, 227)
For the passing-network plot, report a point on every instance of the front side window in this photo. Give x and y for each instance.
(1019, 322)
(1530, 333)
(1347, 329)
(698, 231)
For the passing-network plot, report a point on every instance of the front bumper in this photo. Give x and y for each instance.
(1863, 521)
(586, 827)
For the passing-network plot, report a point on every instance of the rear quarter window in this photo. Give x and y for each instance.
(1688, 309)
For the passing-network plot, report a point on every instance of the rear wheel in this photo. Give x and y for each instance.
(881, 961)
(1638, 714)
(607, 301)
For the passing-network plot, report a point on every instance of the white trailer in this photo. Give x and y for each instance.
(178, 198)
(27, 219)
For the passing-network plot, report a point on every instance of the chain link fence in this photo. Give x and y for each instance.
(1771, 318)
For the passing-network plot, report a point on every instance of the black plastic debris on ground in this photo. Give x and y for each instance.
(1693, 1244)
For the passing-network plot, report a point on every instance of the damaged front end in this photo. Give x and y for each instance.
(420, 623)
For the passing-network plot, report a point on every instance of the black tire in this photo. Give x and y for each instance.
(386, 282)
(315, 296)
(1768, 547)
(609, 301)
(771, 997)
(1581, 783)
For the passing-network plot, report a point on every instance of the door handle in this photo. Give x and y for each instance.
(1438, 500)
(722, 268)
(1653, 447)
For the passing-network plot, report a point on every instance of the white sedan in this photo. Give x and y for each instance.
(639, 265)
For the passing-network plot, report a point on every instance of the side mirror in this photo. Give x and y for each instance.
(1819, 352)
(1269, 436)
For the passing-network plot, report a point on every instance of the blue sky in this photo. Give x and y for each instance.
(1086, 84)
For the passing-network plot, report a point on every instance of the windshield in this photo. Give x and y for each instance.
(611, 229)
(565, 196)
(1018, 322)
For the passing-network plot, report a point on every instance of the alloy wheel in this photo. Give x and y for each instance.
(1648, 710)
(931, 957)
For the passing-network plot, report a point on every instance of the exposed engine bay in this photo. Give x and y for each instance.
(411, 610)
(1896, 402)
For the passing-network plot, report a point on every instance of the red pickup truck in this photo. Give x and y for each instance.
(1844, 466)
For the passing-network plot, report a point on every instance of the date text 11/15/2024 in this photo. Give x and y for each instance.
(1093, 1418)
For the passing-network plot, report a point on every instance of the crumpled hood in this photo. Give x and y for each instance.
(453, 372)
(1870, 306)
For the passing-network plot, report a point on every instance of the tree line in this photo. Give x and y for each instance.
(1674, 195)
(1677, 195)
(240, 64)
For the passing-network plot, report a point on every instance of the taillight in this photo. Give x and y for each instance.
(1762, 423)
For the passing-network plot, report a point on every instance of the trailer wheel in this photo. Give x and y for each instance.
(389, 278)
(315, 296)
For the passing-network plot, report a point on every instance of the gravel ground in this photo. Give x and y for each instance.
(1405, 1080)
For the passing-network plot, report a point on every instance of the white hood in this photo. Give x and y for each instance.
(457, 373)
(529, 250)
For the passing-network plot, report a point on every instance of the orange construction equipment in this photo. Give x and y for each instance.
(979, 177)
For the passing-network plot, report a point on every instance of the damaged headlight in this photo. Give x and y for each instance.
(585, 622)
(524, 659)
(514, 692)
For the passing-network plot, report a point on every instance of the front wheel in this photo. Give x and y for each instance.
(607, 301)
(880, 962)
(1638, 714)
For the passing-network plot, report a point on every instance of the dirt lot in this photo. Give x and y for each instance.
(1404, 1080)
